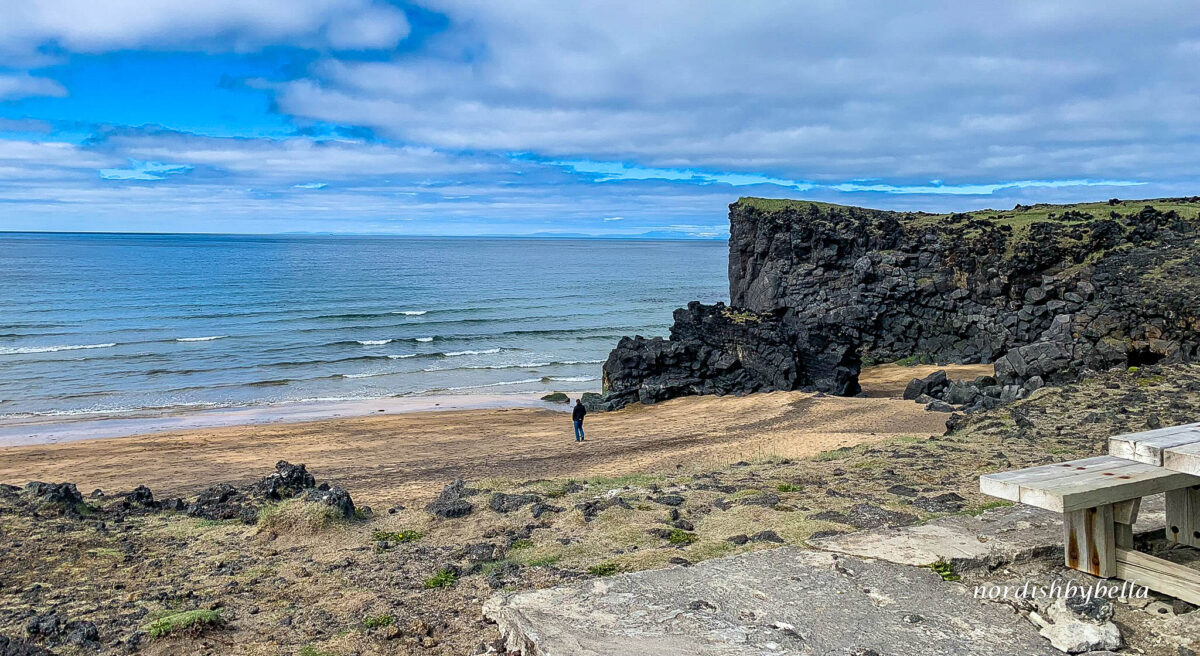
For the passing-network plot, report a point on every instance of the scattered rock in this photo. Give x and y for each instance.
(452, 502)
(506, 503)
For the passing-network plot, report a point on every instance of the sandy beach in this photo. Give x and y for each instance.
(412, 454)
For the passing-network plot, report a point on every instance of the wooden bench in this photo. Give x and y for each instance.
(1099, 499)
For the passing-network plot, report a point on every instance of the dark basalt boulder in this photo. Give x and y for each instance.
(60, 494)
(288, 481)
(334, 497)
(817, 288)
(16, 647)
(452, 502)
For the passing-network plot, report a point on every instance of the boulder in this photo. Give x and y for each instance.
(287, 481)
(334, 497)
(452, 502)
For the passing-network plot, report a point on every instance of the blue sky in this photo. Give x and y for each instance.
(608, 118)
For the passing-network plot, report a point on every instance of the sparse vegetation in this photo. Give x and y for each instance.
(444, 578)
(789, 487)
(556, 397)
(395, 536)
(189, 621)
(680, 536)
(378, 621)
(298, 516)
(603, 569)
(310, 650)
(945, 570)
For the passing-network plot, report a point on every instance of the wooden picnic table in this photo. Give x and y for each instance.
(1099, 499)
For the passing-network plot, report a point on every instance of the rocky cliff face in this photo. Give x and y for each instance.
(815, 289)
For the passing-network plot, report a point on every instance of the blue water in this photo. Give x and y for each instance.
(92, 325)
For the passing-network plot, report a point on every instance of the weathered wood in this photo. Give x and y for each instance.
(1125, 514)
(1184, 458)
(1183, 516)
(1090, 543)
(1148, 446)
(1007, 485)
(1103, 487)
(1158, 575)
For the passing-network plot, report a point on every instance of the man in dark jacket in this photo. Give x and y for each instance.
(577, 416)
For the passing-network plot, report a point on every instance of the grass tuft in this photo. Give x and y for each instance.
(603, 569)
(189, 621)
(945, 570)
(680, 536)
(444, 578)
(297, 516)
(395, 536)
(377, 621)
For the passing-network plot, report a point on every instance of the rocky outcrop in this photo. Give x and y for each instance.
(1043, 291)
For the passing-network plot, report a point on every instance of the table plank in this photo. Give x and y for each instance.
(1185, 458)
(1148, 446)
(1007, 485)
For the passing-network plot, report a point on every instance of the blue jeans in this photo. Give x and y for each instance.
(579, 430)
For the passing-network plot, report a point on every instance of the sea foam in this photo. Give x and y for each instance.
(15, 350)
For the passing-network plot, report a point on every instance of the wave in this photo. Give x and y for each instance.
(453, 354)
(519, 365)
(402, 357)
(523, 381)
(423, 339)
(374, 342)
(200, 339)
(411, 313)
(16, 350)
(569, 379)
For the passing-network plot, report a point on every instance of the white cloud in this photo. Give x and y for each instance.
(212, 25)
(793, 91)
(22, 85)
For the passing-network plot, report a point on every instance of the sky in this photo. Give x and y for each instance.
(467, 117)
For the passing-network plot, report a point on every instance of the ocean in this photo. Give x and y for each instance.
(97, 326)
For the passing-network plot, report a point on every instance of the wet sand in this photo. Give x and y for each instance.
(388, 458)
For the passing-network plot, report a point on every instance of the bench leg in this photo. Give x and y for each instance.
(1183, 516)
(1091, 542)
(1125, 515)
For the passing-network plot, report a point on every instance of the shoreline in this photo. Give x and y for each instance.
(411, 455)
(56, 430)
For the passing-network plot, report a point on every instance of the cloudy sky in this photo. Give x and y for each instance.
(482, 117)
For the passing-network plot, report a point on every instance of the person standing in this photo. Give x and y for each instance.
(577, 416)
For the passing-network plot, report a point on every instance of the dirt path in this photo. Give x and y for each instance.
(412, 455)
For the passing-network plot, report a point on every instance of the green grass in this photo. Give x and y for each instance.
(915, 359)
(377, 621)
(444, 578)
(544, 561)
(945, 570)
(189, 621)
(603, 569)
(788, 487)
(310, 650)
(523, 543)
(680, 536)
(395, 536)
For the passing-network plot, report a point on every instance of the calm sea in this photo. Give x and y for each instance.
(95, 325)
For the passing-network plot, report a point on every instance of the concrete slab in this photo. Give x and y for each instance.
(781, 601)
(994, 538)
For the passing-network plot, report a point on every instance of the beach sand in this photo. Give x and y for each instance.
(382, 459)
